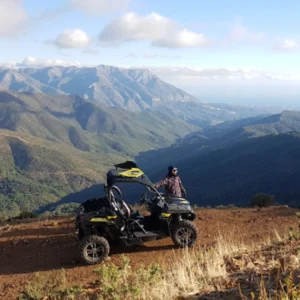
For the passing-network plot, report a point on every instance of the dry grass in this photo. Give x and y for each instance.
(194, 270)
(186, 273)
(142, 209)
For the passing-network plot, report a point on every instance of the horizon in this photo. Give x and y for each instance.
(238, 53)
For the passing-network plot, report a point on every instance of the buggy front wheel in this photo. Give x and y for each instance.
(184, 233)
(94, 249)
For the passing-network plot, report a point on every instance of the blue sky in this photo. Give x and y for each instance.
(255, 41)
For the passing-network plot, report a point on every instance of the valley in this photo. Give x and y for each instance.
(52, 146)
(56, 146)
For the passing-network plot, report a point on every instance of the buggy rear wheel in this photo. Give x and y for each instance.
(94, 249)
(184, 234)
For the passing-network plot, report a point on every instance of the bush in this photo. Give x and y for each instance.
(121, 283)
(262, 200)
(3, 217)
(26, 215)
(48, 286)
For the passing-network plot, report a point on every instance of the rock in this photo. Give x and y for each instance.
(293, 261)
(26, 242)
(250, 266)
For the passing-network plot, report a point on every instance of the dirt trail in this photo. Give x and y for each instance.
(46, 245)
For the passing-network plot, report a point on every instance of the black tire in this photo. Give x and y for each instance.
(94, 249)
(184, 234)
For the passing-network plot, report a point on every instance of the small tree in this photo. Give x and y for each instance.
(263, 200)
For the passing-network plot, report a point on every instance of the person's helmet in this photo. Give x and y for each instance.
(172, 170)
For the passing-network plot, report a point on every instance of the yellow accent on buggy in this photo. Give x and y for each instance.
(165, 215)
(99, 220)
(103, 220)
(133, 173)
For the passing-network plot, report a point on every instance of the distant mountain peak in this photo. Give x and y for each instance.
(133, 89)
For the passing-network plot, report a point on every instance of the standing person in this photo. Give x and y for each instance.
(172, 183)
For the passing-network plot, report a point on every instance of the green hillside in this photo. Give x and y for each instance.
(51, 146)
(268, 164)
(222, 135)
(230, 162)
(86, 125)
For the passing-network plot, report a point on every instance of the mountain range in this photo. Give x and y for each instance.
(225, 134)
(229, 163)
(131, 89)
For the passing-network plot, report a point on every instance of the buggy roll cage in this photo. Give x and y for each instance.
(128, 172)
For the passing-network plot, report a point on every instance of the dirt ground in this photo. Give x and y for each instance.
(48, 245)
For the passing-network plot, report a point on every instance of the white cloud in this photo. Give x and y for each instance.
(287, 45)
(192, 74)
(72, 38)
(238, 85)
(12, 17)
(160, 31)
(91, 51)
(100, 7)
(32, 62)
(218, 74)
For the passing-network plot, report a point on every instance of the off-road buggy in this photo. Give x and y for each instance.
(108, 220)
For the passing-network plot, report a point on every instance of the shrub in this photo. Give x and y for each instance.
(26, 215)
(45, 286)
(121, 283)
(3, 217)
(262, 200)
